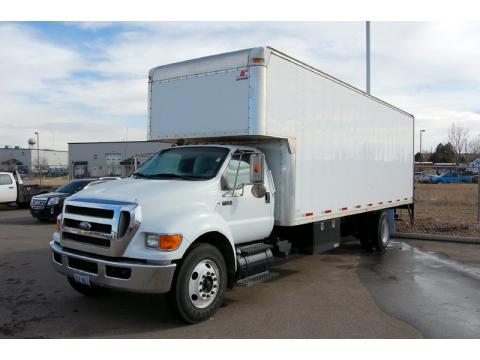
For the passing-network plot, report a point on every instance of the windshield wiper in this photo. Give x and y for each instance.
(139, 175)
(176, 176)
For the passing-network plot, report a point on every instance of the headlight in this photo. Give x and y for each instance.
(53, 201)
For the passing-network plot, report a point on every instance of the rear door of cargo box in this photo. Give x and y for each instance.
(201, 105)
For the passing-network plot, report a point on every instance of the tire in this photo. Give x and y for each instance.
(374, 232)
(92, 291)
(380, 232)
(199, 285)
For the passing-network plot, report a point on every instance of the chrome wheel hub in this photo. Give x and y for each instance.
(204, 284)
(384, 233)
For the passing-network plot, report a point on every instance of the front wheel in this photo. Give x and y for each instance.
(200, 284)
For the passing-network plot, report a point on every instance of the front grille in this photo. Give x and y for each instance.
(83, 265)
(97, 227)
(109, 225)
(95, 212)
(38, 203)
(86, 239)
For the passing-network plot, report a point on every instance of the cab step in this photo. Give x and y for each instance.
(257, 278)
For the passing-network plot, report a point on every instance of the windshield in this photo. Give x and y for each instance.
(72, 187)
(188, 163)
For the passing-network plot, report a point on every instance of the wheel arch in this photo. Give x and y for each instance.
(222, 243)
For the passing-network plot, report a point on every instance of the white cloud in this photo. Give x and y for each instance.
(429, 69)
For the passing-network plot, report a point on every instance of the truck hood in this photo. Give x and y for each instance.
(151, 191)
(52, 194)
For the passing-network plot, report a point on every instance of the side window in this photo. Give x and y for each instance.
(243, 167)
(5, 179)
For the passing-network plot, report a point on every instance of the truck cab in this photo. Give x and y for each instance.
(8, 188)
(12, 189)
(182, 201)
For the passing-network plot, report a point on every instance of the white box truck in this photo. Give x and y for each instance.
(269, 156)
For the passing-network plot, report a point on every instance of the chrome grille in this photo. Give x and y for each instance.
(102, 227)
(38, 203)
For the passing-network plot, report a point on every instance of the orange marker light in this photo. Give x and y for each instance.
(256, 168)
(170, 242)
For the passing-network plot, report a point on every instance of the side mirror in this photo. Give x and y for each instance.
(257, 175)
(256, 168)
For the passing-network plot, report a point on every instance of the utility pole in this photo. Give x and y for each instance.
(421, 155)
(368, 55)
(38, 158)
(478, 194)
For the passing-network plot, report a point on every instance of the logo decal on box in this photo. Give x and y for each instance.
(242, 74)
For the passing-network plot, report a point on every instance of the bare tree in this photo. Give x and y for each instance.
(458, 137)
(474, 145)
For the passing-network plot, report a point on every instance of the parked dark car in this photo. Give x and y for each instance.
(46, 207)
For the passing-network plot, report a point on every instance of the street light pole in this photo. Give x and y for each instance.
(368, 55)
(38, 158)
(421, 156)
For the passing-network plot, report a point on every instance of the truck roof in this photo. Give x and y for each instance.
(238, 59)
(228, 146)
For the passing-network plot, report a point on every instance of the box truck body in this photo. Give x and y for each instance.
(333, 149)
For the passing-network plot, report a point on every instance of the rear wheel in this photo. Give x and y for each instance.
(200, 284)
(91, 290)
(381, 237)
(374, 231)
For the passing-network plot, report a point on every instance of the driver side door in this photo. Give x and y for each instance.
(248, 217)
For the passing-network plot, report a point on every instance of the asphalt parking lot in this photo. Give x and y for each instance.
(416, 289)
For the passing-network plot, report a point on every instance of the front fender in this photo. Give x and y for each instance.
(191, 224)
(200, 223)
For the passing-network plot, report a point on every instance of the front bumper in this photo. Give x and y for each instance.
(119, 275)
(48, 212)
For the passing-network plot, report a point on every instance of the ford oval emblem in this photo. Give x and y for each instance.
(85, 225)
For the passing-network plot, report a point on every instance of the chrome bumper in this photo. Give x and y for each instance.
(126, 276)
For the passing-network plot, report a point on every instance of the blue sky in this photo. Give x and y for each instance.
(88, 81)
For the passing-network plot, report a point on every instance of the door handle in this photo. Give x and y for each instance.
(10, 187)
(267, 198)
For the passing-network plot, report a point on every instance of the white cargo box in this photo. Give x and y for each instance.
(336, 150)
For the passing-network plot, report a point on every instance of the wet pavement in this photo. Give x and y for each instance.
(407, 292)
(437, 295)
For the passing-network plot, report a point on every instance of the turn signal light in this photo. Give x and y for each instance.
(170, 242)
(167, 242)
(57, 225)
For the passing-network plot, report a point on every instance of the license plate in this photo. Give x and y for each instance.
(82, 279)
